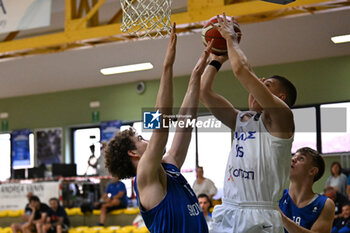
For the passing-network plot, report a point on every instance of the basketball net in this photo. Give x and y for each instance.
(146, 18)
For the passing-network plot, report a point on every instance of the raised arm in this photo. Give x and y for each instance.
(150, 174)
(221, 108)
(323, 224)
(279, 116)
(188, 111)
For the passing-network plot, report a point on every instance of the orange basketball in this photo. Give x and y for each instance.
(210, 33)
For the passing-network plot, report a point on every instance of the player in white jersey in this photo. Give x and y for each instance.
(259, 162)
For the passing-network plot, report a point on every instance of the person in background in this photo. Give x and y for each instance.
(114, 198)
(16, 227)
(343, 225)
(205, 204)
(337, 180)
(339, 201)
(101, 168)
(37, 216)
(204, 185)
(348, 187)
(57, 219)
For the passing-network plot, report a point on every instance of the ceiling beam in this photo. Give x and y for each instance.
(77, 28)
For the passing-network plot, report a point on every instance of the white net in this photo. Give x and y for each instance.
(146, 18)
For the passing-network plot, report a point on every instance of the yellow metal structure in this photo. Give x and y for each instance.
(82, 27)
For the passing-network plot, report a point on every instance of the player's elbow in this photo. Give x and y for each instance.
(239, 68)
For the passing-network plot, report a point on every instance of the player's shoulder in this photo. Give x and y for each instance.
(329, 205)
(328, 209)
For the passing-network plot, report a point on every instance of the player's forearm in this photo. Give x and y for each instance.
(191, 101)
(249, 80)
(165, 94)
(238, 60)
(207, 80)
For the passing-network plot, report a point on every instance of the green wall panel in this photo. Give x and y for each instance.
(317, 81)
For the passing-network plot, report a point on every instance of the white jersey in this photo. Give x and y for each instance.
(256, 175)
(258, 165)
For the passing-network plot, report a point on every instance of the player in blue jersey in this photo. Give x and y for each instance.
(166, 200)
(303, 210)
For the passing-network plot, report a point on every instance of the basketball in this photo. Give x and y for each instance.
(210, 33)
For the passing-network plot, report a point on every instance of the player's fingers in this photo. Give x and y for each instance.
(219, 20)
(174, 28)
(210, 45)
(225, 20)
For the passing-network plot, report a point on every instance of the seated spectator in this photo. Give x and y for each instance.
(203, 185)
(337, 180)
(339, 200)
(114, 198)
(17, 227)
(343, 225)
(57, 218)
(37, 216)
(348, 187)
(205, 204)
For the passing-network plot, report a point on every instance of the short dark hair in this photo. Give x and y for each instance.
(55, 200)
(117, 159)
(317, 160)
(207, 197)
(34, 198)
(339, 165)
(288, 88)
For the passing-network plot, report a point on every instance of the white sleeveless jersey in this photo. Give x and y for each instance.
(258, 164)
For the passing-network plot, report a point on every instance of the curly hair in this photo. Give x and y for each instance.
(117, 160)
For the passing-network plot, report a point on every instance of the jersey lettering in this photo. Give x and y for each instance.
(244, 136)
(243, 174)
(194, 209)
(239, 151)
(297, 220)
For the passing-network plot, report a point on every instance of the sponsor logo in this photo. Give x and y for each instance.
(151, 120)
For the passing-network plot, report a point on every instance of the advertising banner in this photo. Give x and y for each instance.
(13, 195)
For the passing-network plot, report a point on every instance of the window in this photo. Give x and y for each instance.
(5, 154)
(84, 141)
(305, 128)
(335, 126)
(213, 150)
(26, 163)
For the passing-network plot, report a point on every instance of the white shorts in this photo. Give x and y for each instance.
(254, 217)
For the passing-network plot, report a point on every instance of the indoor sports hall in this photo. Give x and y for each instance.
(73, 73)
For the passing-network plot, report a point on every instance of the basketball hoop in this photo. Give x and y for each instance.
(146, 18)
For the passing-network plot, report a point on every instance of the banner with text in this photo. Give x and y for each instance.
(17, 15)
(20, 149)
(13, 196)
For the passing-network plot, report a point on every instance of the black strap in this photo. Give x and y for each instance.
(216, 64)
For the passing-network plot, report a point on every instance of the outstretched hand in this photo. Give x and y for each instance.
(170, 54)
(203, 60)
(226, 28)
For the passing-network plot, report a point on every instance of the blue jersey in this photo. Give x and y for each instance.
(179, 211)
(305, 216)
(114, 188)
